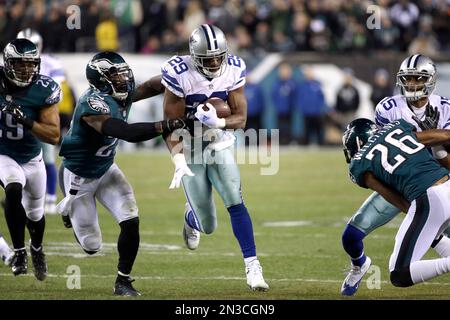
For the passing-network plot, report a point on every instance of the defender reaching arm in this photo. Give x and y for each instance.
(132, 132)
(148, 89)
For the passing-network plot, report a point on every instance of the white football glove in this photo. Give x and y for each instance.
(181, 169)
(209, 118)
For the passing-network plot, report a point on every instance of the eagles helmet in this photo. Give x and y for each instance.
(109, 73)
(208, 49)
(416, 77)
(31, 35)
(356, 135)
(22, 62)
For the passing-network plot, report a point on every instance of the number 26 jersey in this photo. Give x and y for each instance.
(397, 159)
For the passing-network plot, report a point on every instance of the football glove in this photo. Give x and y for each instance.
(16, 112)
(171, 125)
(431, 118)
(209, 118)
(181, 169)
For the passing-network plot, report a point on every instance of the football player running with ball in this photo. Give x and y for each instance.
(28, 115)
(418, 106)
(210, 71)
(394, 162)
(88, 172)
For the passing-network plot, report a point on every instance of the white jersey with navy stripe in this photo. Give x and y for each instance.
(396, 107)
(52, 67)
(180, 76)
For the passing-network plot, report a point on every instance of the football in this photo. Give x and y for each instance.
(222, 108)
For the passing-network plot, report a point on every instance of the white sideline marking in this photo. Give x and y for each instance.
(288, 223)
(112, 245)
(71, 249)
(225, 278)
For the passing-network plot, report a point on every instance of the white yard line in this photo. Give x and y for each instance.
(223, 278)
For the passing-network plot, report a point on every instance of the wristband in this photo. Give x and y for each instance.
(221, 123)
(179, 160)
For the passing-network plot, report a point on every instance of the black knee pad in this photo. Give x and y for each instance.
(401, 277)
(130, 226)
(13, 192)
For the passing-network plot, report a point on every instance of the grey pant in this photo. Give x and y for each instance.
(217, 169)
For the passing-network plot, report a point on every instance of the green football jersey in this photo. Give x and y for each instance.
(16, 141)
(85, 151)
(396, 158)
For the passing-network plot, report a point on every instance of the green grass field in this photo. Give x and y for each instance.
(303, 261)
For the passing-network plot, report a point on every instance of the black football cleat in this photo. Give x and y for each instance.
(19, 263)
(40, 268)
(123, 287)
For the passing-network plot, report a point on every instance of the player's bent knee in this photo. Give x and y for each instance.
(91, 244)
(89, 252)
(209, 229)
(401, 277)
(34, 214)
(209, 225)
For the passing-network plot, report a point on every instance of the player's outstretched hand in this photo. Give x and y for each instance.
(171, 125)
(208, 117)
(181, 169)
(431, 120)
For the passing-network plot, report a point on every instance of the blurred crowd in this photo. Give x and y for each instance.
(253, 28)
(148, 26)
(300, 110)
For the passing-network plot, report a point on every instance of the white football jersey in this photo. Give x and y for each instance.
(180, 76)
(52, 67)
(395, 107)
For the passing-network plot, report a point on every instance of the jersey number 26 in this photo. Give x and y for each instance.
(398, 143)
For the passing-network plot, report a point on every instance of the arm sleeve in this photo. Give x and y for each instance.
(135, 132)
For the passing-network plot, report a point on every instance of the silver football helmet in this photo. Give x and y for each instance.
(208, 49)
(33, 36)
(416, 77)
